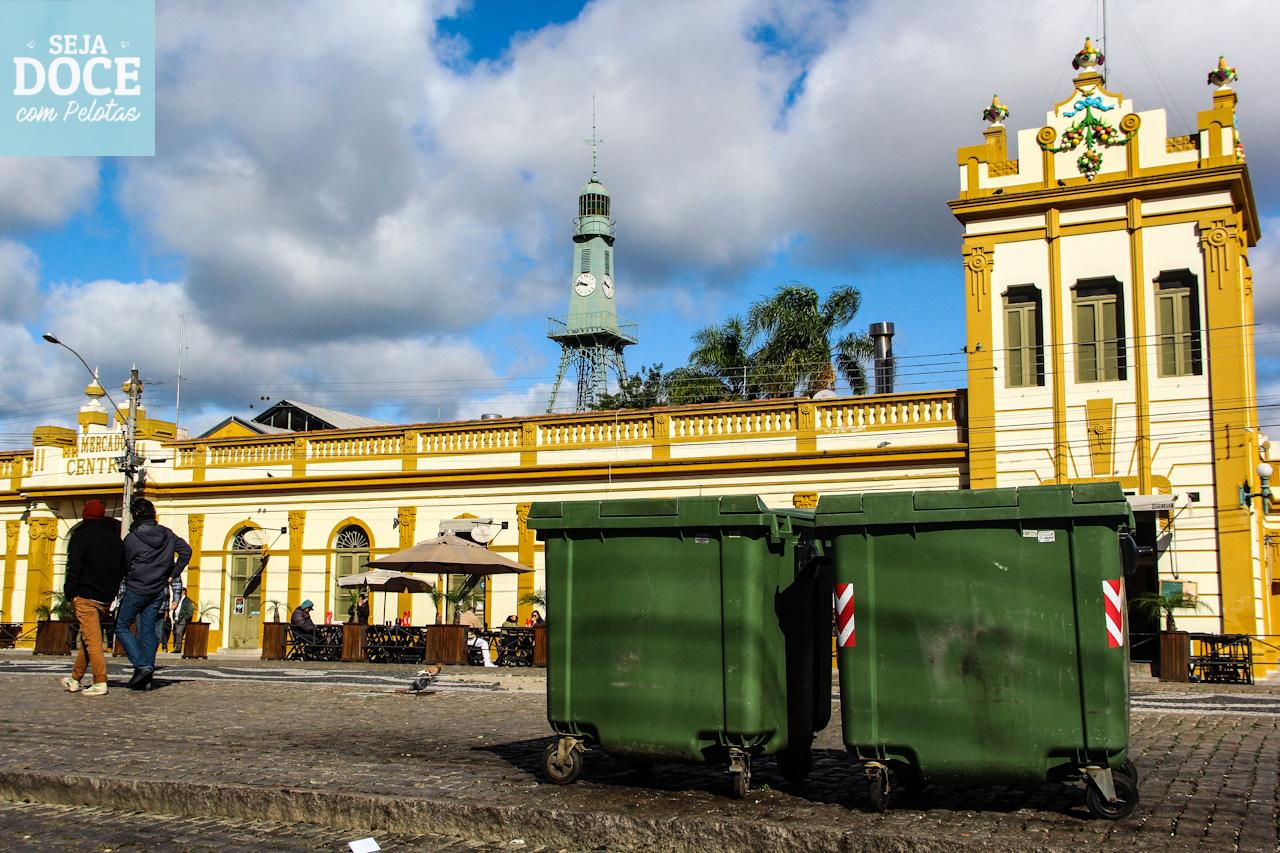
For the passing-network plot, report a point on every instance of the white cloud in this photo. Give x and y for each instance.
(19, 280)
(44, 191)
(348, 201)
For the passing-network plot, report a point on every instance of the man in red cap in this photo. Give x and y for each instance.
(95, 567)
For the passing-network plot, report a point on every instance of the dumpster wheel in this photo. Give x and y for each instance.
(1100, 805)
(1130, 769)
(878, 785)
(740, 769)
(562, 761)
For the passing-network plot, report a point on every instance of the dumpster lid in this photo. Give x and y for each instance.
(1151, 503)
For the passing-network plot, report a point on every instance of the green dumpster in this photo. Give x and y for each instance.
(980, 637)
(691, 630)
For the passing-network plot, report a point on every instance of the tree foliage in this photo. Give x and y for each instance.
(791, 342)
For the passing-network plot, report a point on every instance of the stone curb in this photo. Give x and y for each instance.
(536, 825)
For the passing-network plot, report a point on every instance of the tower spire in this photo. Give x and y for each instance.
(594, 140)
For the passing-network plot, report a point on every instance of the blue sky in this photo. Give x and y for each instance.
(368, 205)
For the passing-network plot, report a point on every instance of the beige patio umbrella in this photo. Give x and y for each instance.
(451, 555)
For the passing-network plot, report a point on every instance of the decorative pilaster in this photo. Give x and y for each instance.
(299, 457)
(12, 529)
(43, 534)
(527, 540)
(661, 436)
(297, 522)
(407, 516)
(529, 445)
(806, 423)
(409, 450)
(980, 334)
(195, 533)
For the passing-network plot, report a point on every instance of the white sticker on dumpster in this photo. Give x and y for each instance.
(1030, 534)
(701, 540)
(1045, 536)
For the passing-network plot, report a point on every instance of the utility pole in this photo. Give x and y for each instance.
(129, 462)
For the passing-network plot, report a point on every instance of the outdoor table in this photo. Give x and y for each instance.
(394, 644)
(515, 645)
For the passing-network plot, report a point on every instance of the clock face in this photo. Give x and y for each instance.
(585, 284)
(606, 284)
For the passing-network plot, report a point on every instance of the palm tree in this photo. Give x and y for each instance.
(800, 349)
(723, 354)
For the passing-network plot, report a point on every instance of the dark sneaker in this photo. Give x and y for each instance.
(141, 678)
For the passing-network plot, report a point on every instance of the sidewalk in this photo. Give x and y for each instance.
(467, 762)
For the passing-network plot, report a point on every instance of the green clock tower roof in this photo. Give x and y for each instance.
(594, 187)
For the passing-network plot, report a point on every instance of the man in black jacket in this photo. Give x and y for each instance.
(150, 550)
(95, 565)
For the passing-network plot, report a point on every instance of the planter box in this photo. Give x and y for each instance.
(52, 637)
(195, 642)
(540, 645)
(9, 633)
(353, 643)
(1175, 656)
(446, 644)
(273, 634)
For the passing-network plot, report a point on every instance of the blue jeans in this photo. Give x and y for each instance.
(145, 609)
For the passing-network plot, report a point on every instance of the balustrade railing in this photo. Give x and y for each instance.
(761, 419)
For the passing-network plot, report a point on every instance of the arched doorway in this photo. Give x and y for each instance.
(244, 618)
(351, 552)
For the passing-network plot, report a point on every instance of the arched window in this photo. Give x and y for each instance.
(351, 552)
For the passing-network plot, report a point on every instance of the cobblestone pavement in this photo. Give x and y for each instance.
(466, 763)
(38, 828)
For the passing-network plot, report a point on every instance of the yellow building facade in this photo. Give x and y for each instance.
(1109, 306)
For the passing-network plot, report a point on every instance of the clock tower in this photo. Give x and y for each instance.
(591, 335)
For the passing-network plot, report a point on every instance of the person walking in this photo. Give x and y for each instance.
(95, 565)
(155, 555)
(182, 614)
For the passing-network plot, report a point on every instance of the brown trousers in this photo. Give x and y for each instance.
(90, 614)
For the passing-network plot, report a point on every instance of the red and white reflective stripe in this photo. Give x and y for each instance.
(1111, 598)
(844, 615)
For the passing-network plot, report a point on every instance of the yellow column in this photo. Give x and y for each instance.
(661, 437)
(1228, 380)
(408, 516)
(12, 529)
(1057, 350)
(297, 522)
(299, 457)
(409, 450)
(43, 533)
(527, 539)
(981, 413)
(195, 533)
(528, 445)
(806, 421)
(1141, 343)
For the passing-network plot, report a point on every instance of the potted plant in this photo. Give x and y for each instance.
(275, 606)
(1175, 645)
(195, 643)
(54, 623)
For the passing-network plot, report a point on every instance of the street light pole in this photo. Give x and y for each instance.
(124, 464)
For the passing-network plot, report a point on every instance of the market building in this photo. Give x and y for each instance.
(1109, 337)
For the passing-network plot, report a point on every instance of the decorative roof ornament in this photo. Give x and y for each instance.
(1222, 76)
(1093, 130)
(996, 113)
(94, 389)
(1087, 58)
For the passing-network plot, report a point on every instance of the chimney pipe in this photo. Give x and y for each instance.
(882, 335)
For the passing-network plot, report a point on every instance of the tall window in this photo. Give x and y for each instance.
(352, 552)
(1177, 324)
(1024, 345)
(1099, 315)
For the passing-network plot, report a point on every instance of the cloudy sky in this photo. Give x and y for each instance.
(368, 204)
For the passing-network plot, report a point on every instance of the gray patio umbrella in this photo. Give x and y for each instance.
(385, 580)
